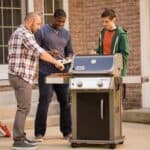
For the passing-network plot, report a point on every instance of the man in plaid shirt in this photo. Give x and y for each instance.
(23, 61)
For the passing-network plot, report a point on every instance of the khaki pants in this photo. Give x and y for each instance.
(23, 92)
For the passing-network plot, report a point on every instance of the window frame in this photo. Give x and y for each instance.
(64, 6)
(30, 8)
(4, 67)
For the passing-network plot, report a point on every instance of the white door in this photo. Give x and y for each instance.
(145, 49)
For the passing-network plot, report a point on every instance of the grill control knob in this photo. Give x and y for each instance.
(100, 83)
(79, 84)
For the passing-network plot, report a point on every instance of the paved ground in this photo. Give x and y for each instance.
(137, 138)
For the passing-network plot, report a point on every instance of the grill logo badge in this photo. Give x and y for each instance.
(93, 61)
(80, 68)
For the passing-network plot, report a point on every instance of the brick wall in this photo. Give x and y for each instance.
(77, 25)
(85, 24)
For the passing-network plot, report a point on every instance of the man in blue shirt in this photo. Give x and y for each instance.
(57, 40)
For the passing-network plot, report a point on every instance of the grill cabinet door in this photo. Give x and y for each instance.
(93, 116)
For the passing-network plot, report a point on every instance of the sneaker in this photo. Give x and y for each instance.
(39, 138)
(22, 145)
(4, 131)
(30, 141)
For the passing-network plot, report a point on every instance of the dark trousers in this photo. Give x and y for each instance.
(45, 97)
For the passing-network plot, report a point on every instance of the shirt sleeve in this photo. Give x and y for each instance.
(124, 49)
(31, 44)
(68, 49)
(38, 37)
(99, 48)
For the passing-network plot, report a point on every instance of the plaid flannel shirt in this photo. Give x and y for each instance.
(23, 54)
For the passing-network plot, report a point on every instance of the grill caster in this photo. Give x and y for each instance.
(74, 145)
(112, 146)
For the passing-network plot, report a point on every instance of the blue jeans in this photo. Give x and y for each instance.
(45, 97)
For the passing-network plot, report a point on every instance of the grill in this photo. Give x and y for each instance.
(95, 86)
(95, 72)
(95, 91)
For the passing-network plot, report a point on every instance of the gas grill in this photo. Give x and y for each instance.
(95, 88)
(95, 72)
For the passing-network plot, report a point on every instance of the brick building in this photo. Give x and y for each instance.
(84, 24)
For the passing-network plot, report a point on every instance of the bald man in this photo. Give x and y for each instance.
(23, 60)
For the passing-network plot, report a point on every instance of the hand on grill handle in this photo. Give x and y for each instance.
(59, 65)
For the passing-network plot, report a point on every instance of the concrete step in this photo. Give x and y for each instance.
(8, 111)
(8, 97)
(52, 120)
(137, 115)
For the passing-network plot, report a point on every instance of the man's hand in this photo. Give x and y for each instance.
(59, 65)
(49, 58)
(54, 53)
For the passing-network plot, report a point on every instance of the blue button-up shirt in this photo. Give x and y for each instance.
(50, 39)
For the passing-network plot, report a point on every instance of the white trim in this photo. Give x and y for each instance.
(23, 9)
(3, 71)
(30, 5)
(145, 49)
(53, 6)
(133, 79)
(4, 67)
(66, 8)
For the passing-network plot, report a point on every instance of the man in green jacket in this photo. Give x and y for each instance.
(113, 39)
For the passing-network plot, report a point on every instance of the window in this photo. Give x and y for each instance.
(49, 8)
(12, 13)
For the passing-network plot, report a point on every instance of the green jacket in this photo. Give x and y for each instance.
(119, 45)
